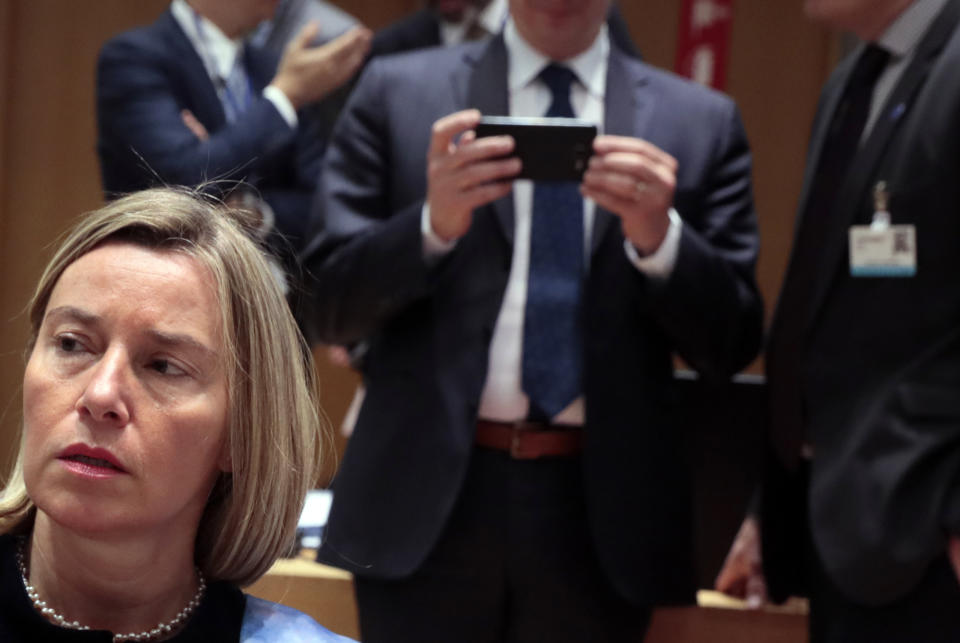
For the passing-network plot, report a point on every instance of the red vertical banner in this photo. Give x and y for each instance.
(703, 44)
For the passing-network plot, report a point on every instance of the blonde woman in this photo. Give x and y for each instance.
(170, 432)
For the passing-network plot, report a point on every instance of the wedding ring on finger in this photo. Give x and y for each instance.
(640, 187)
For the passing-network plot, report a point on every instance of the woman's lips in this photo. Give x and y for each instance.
(91, 460)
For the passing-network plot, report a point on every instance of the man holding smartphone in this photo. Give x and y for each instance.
(515, 473)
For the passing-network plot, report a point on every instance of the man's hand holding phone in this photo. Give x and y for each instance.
(630, 177)
(464, 172)
(634, 180)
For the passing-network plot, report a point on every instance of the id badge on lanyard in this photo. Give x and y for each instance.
(883, 249)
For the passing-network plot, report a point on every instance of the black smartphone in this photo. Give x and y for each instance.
(551, 149)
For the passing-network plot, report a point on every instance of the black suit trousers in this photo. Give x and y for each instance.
(515, 564)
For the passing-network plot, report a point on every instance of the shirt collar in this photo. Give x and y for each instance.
(526, 63)
(491, 18)
(218, 52)
(903, 36)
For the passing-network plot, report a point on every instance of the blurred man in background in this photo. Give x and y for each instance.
(186, 100)
(861, 499)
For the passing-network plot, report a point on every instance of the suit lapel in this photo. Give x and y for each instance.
(863, 171)
(819, 134)
(260, 65)
(207, 108)
(483, 85)
(627, 112)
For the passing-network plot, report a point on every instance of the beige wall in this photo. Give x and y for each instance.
(48, 171)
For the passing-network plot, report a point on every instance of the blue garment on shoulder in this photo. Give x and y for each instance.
(268, 622)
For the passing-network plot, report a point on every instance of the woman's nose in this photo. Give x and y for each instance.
(104, 397)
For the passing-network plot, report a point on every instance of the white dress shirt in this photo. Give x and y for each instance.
(503, 398)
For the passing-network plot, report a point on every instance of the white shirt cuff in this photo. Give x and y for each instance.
(276, 96)
(659, 264)
(433, 246)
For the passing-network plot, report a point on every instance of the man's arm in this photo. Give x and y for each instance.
(369, 262)
(141, 121)
(709, 303)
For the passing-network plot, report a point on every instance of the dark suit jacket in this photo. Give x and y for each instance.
(881, 366)
(421, 29)
(429, 326)
(146, 76)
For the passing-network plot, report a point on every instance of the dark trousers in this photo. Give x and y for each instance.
(514, 565)
(930, 613)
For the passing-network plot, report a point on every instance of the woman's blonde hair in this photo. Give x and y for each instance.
(275, 427)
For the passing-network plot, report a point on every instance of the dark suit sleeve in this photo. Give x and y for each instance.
(710, 305)
(367, 261)
(140, 95)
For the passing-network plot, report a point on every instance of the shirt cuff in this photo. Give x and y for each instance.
(660, 263)
(433, 246)
(276, 96)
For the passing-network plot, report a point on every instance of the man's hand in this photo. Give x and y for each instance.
(195, 126)
(306, 73)
(953, 550)
(634, 180)
(339, 356)
(465, 174)
(742, 572)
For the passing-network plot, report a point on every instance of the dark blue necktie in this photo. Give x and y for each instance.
(552, 351)
(237, 93)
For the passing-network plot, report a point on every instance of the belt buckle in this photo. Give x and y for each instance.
(515, 451)
(518, 429)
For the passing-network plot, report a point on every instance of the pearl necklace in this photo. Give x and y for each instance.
(162, 629)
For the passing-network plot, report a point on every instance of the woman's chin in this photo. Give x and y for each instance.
(90, 520)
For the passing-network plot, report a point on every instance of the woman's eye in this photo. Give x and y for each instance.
(166, 367)
(68, 344)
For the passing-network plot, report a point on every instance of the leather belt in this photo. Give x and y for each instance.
(529, 440)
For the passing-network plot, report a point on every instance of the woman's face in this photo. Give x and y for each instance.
(125, 395)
